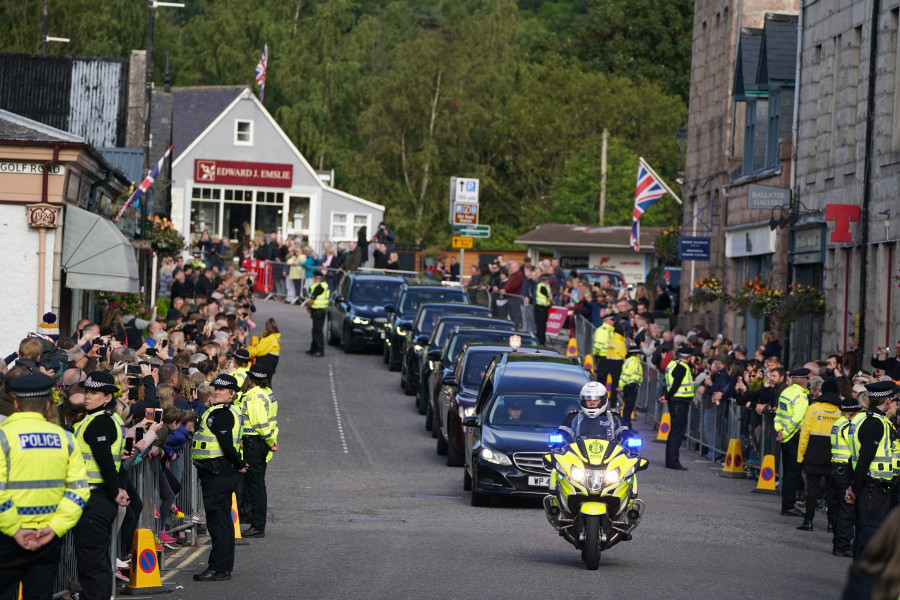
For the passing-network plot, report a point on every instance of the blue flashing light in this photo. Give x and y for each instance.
(557, 438)
(634, 442)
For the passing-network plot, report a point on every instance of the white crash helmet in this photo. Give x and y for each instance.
(594, 390)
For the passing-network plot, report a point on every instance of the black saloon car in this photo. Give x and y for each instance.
(522, 400)
(356, 314)
(401, 313)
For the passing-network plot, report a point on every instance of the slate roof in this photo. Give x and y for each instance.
(21, 129)
(556, 234)
(194, 108)
(778, 53)
(747, 62)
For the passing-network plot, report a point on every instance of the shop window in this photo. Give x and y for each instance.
(269, 197)
(298, 217)
(204, 217)
(346, 226)
(243, 133)
(199, 193)
(238, 195)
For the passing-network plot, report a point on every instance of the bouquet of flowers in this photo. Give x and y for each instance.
(707, 289)
(164, 240)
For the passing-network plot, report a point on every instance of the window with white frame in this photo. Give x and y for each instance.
(346, 226)
(243, 132)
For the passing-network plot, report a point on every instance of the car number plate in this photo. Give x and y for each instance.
(382, 335)
(539, 481)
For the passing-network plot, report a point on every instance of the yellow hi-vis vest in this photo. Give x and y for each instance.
(840, 447)
(321, 301)
(792, 405)
(632, 371)
(116, 447)
(543, 295)
(240, 374)
(601, 339)
(205, 444)
(617, 347)
(855, 422)
(882, 466)
(260, 410)
(43, 482)
(686, 389)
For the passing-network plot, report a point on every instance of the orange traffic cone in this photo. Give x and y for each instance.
(235, 519)
(572, 349)
(665, 424)
(766, 482)
(144, 567)
(734, 461)
(589, 362)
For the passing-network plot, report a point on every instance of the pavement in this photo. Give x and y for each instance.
(361, 506)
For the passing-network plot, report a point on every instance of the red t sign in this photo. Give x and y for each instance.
(842, 214)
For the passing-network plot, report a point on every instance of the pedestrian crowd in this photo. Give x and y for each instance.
(82, 409)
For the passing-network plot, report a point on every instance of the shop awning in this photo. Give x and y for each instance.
(95, 254)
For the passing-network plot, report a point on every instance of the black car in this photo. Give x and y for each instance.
(401, 313)
(456, 399)
(522, 400)
(436, 341)
(356, 313)
(423, 324)
(447, 356)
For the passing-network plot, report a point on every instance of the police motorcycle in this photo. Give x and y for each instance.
(593, 501)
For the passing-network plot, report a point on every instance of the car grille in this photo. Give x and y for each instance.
(530, 461)
(381, 320)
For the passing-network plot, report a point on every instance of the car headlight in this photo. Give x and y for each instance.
(361, 321)
(495, 456)
(577, 474)
(418, 349)
(402, 331)
(468, 411)
(612, 476)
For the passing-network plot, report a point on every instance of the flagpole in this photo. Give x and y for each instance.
(659, 179)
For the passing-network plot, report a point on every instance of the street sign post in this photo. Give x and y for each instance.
(465, 213)
(461, 243)
(479, 231)
(463, 201)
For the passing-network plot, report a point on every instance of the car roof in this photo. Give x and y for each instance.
(451, 305)
(540, 373)
(472, 318)
(492, 347)
(429, 286)
(375, 277)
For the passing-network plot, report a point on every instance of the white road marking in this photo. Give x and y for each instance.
(187, 561)
(337, 409)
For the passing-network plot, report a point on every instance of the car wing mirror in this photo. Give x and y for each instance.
(338, 298)
(470, 421)
(449, 380)
(434, 354)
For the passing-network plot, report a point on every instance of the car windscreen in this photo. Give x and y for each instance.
(374, 292)
(412, 299)
(455, 343)
(531, 410)
(429, 317)
(592, 278)
(445, 327)
(476, 366)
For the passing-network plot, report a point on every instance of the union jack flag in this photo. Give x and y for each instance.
(145, 185)
(261, 68)
(650, 188)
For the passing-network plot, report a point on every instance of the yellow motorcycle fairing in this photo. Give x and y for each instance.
(590, 454)
(593, 508)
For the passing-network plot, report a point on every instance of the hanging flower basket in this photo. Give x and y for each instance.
(757, 296)
(126, 304)
(707, 290)
(666, 246)
(801, 301)
(164, 239)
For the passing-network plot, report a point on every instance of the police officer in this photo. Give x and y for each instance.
(241, 360)
(679, 394)
(43, 489)
(543, 298)
(318, 306)
(629, 382)
(842, 521)
(100, 436)
(594, 419)
(215, 450)
(260, 434)
(792, 405)
(872, 446)
(602, 337)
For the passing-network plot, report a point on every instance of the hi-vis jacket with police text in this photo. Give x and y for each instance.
(840, 446)
(815, 432)
(792, 405)
(601, 338)
(260, 411)
(43, 481)
(632, 372)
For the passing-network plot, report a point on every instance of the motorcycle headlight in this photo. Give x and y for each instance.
(495, 456)
(577, 474)
(360, 321)
(612, 476)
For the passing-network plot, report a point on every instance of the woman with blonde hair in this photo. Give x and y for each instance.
(269, 347)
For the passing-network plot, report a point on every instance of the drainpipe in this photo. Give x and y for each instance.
(867, 184)
(42, 231)
(92, 192)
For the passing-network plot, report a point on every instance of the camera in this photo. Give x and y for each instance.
(133, 370)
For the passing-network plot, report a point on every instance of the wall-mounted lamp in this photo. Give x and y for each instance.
(887, 223)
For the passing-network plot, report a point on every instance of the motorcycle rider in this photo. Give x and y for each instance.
(593, 420)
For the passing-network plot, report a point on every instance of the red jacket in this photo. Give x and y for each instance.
(514, 283)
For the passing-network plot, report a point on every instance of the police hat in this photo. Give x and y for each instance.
(100, 381)
(226, 382)
(241, 355)
(850, 405)
(634, 350)
(610, 316)
(33, 385)
(260, 372)
(801, 373)
(880, 389)
(685, 351)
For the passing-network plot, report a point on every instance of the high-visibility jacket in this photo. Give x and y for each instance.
(815, 433)
(617, 348)
(43, 481)
(855, 422)
(601, 338)
(205, 444)
(268, 344)
(840, 447)
(792, 405)
(321, 301)
(686, 389)
(116, 447)
(632, 372)
(241, 374)
(260, 412)
(542, 295)
(882, 466)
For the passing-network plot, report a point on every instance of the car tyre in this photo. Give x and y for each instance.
(435, 424)
(349, 347)
(386, 353)
(423, 401)
(477, 498)
(454, 456)
(429, 420)
(329, 333)
(441, 444)
(409, 388)
(467, 480)
(591, 552)
(393, 360)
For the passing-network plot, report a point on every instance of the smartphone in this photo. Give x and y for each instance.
(148, 413)
(151, 351)
(133, 370)
(163, 343)
(138, 434)
(129, 445)
(157, 415)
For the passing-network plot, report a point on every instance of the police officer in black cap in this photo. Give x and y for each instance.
(318, 307)
(215, 450)
(679, 394)
(872, 446)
